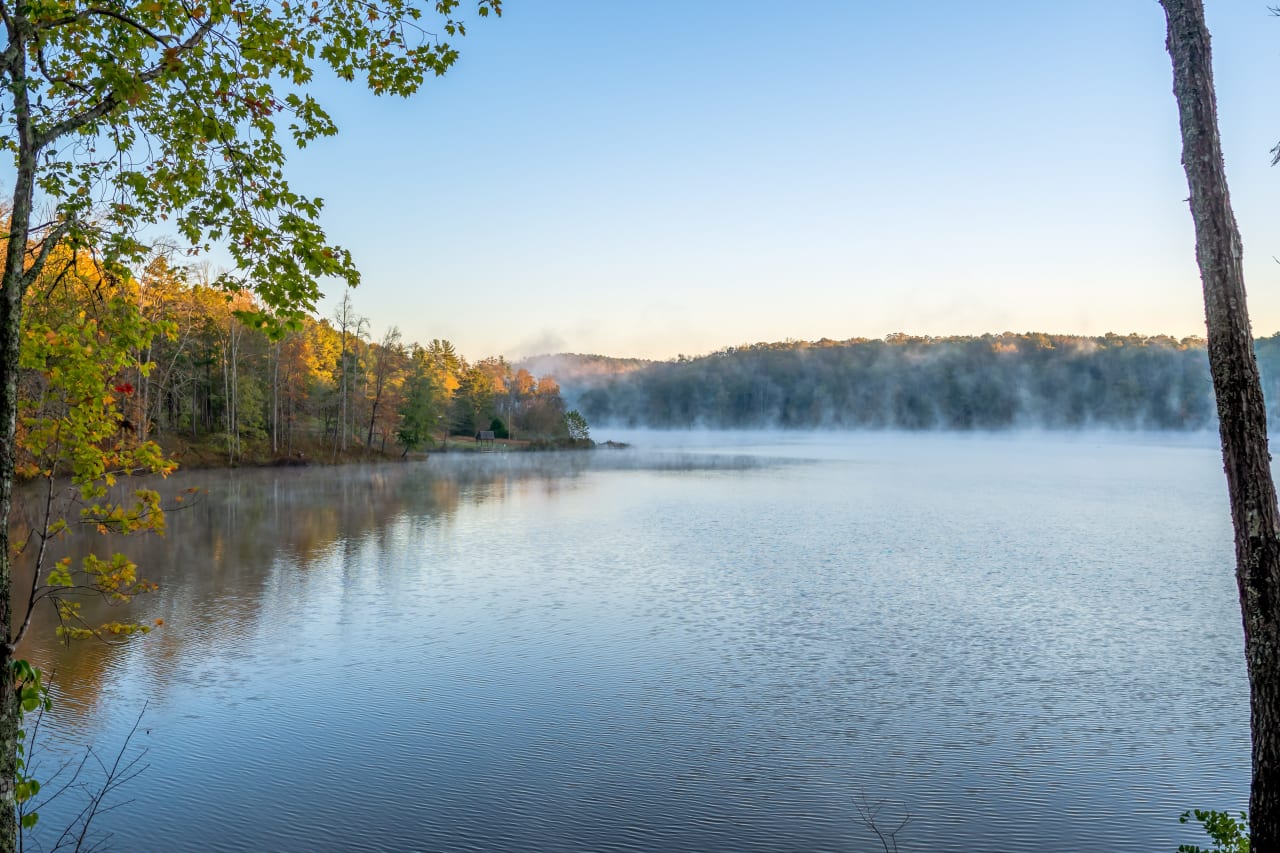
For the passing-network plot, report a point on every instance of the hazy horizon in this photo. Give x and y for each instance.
(593, 178)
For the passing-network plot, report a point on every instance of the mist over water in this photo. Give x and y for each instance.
(989, 382)
(704, 641)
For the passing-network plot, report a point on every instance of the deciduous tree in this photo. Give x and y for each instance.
(129, 113)
(423, 408)
(388, 360)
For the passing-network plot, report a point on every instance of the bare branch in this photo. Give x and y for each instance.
(69, 778)
(116, 777)
(868, 816)
(46, 246)
(35, 572)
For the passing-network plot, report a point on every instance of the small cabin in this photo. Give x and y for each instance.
(485, 439)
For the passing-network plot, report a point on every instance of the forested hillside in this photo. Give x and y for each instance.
(904, 382)
(215, 388)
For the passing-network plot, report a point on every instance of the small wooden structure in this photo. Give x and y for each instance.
(485, 439)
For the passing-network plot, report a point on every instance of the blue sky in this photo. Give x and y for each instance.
(653, 178)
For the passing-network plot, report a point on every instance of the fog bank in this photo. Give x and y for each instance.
(913, 383)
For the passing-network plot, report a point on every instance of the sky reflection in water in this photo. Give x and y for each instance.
(716, 641)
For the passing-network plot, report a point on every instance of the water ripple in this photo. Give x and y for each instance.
(1025, 645)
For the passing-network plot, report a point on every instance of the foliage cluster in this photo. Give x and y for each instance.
(188, 361)
(81, 345)
(1230, 834)
(143, 111)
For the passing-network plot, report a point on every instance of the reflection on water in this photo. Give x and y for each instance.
(711, 642)
(218, 538)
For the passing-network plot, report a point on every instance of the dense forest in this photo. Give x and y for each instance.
(905, 382)
(209, 383)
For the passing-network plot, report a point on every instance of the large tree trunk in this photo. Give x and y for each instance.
(10, 719)
(12, 290)
(1242, 413)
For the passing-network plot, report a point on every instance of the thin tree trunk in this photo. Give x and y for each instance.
(380, 381)
(144, 394)
(1241, 410)
(226, 396)
(235, 389)
(275, 402)
(342, 409)
(143, 401)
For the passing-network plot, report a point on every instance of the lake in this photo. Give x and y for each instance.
(710, 641)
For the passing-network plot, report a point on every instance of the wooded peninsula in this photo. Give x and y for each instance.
(193, 368)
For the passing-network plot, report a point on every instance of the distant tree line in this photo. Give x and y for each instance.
(906, 382)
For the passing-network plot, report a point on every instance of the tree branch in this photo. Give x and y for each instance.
(44, 69)
(39, 567)
(46, 246)
(98, 10)
(111, 101)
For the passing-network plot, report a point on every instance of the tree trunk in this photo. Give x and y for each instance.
(235, 388)
(10, 719)
(226, 395)
(12, 289)
(373, 408)
(1241, 411)
(275, 402)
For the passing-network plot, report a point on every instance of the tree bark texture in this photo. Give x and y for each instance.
(1241, 411)
(12, 289)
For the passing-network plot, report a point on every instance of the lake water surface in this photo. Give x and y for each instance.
(704, 642)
